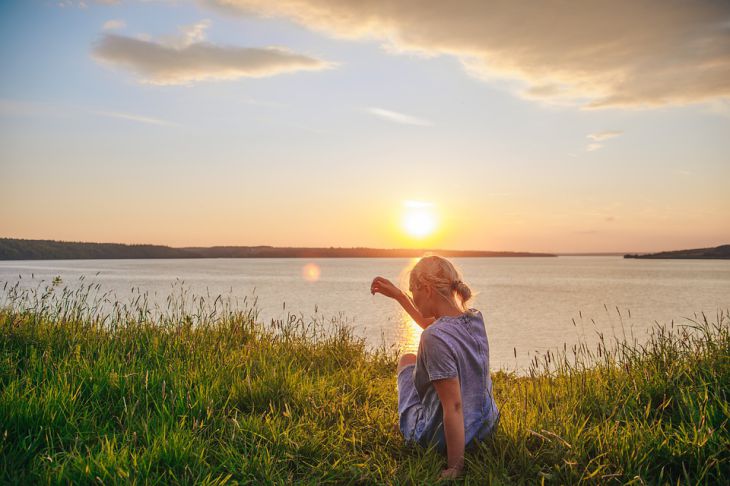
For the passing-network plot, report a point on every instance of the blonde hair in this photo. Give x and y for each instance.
(442, 276)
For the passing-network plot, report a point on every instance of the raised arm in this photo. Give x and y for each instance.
(449, 393)
(384, 286)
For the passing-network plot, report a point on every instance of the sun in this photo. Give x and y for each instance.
(419, 219)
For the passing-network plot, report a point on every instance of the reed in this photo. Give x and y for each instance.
(93, 390)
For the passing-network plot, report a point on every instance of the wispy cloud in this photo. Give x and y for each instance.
(396, 117)
(187, 58)
(601, 137)
(83, 4)
(136, 118)
(114, 24)
(9, 107)
(604, 135)
(592, 147)
(70, 4)
(187, 35)
(594, 54)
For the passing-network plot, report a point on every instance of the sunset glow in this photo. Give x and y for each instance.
(309, 123)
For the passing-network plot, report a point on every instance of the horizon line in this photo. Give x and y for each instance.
(190, 247)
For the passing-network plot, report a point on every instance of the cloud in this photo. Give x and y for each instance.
(114, 24)
(596, 54)
(720, 108)
(592, 147)
(601, 137)
(136, 118)
(83, 4)
(396, 117)
(186, 37)
(604, 135)
(188, 58)
(14, 108)
(69, 4)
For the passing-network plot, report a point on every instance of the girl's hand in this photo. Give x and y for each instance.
(384, 286)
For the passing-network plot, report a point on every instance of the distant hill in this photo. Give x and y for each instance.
(718, 252)
(19, 249)
(16, 249)
(293, 252)
(595, 253)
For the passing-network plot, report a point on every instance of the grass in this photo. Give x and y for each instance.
(92, 391)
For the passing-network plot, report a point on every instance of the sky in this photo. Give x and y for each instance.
(596, 126)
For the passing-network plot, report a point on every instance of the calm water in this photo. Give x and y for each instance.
(528, 303)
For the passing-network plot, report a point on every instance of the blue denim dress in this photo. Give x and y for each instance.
(450, 347)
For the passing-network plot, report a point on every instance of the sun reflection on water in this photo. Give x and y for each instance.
(410, 334)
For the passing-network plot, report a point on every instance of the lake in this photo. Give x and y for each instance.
(530, 304)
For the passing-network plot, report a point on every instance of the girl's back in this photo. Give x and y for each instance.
(455, 347)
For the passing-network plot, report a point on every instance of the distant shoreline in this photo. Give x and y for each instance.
(21, 249)
(721, 252)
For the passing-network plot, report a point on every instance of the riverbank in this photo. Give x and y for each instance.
(721, 252)
(208, 394)
(20, 249)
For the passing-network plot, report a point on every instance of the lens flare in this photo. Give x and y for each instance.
(311, 272)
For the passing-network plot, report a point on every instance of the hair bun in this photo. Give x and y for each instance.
(463, 290)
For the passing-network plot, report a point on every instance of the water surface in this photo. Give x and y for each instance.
(530, 304)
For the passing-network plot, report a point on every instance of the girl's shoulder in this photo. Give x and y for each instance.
(445, 328)
(445, 320)
(472, 313)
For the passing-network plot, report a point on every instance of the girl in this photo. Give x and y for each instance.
(444, 391)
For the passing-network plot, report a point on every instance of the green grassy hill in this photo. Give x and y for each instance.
(212, 396)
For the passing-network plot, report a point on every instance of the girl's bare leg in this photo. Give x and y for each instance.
(406, 360)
